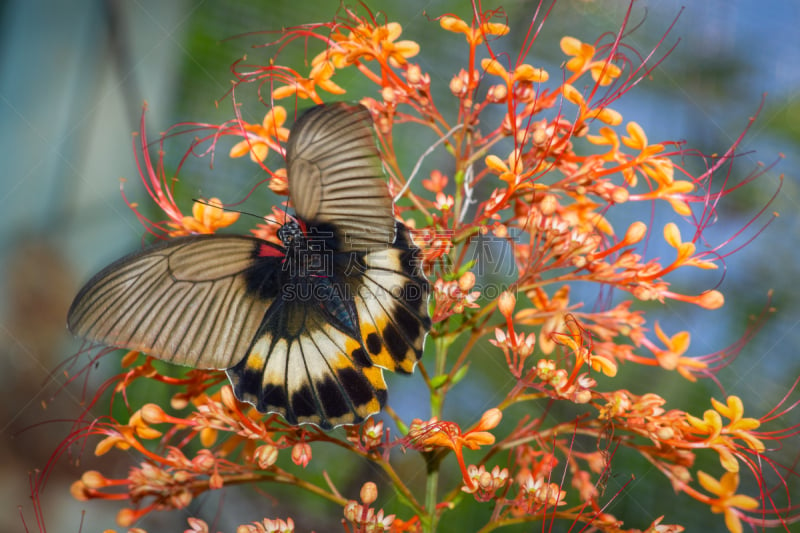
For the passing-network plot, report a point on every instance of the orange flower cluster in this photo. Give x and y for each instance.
(522, 215)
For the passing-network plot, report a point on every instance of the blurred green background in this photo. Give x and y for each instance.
(74, 75)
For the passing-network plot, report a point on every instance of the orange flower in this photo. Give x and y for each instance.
(207, 217)
(728, 501)
(320, 76)
(474, 35)
(510, 170)
(720, 437)
(677, 345)
(686, 250)
(369, 41)
(522, 73)
(449, 435)
(261, 137)
(604, 114)
(603, 72)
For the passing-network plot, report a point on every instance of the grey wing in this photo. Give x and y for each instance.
(336, 176)
(196, 301)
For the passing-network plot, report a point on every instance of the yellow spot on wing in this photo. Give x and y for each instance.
(255, 361)
(375, 377)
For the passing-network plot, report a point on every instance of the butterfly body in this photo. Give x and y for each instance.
(303, 329)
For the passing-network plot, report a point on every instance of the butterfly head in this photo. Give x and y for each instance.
(290, 233)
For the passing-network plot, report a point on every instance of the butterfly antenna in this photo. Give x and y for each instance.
(240, 211)
(285, 212)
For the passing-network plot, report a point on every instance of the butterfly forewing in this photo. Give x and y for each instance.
(336, 176)
(195, 301)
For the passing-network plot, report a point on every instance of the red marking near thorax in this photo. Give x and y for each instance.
(267, 250)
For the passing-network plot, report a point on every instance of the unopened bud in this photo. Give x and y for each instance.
(266, 456)
(636, 232)
(388, 94)
(490, 419)
(457, 86)
(413, 74)
(352, 511)
(126, 517)
(549, 204)
(497, 93)
(93, 479)
(228, 399)
(78, 491)
(208, 436)
(466, 281)
(620, 195)
(369, 492)
(506, 303)
(710, 300)
(153, 414)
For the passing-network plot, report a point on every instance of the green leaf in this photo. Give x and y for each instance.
(460, 373)
(438, 381)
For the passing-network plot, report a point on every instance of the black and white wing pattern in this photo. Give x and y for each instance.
(321, 358)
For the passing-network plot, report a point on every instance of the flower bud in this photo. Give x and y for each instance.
(506, 303)
(710, 300)
(497, 93)
(352, 511)
(266, 455)
(490, 419)
(78, 491)
(93, 479)
(228, 399)
(388, 95)
(126, 517)
(466, 281)
(301, 454)
(208, 436)
(458, 86)
(369, 493)
(413, 74)
(153, 414)
(620, 195)
(215, 481)
(665, 433)
(204, 461)
(635, 233)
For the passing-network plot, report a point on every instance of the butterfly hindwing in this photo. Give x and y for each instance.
(309, 375)
(391, 300)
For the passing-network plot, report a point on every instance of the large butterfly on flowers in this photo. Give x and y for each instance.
(304, 329)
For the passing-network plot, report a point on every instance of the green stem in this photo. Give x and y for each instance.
(431, 489)
(432, 459)
(437, 395)
(431, 520)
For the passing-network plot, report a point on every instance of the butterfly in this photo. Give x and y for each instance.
(303, 329)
